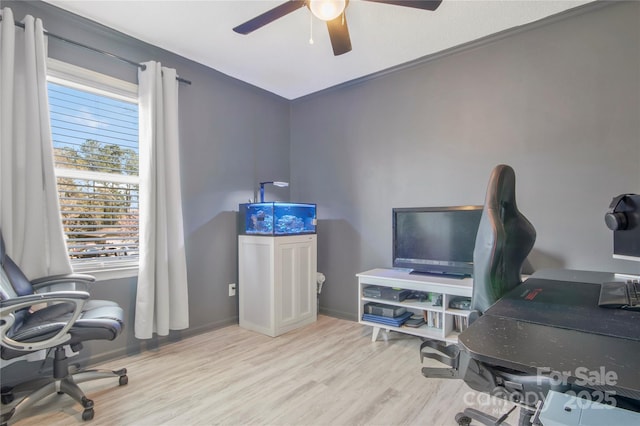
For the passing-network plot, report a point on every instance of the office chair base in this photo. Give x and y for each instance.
(67, 385)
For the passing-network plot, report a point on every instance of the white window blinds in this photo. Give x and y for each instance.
(95, 142)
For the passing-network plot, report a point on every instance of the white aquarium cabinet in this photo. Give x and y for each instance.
(277, 282)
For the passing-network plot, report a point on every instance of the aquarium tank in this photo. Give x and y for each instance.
(277, 218)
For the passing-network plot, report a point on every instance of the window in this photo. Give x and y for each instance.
(94, 124)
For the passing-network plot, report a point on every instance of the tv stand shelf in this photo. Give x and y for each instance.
(447, 320)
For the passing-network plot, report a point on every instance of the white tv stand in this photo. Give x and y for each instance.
(443, 329)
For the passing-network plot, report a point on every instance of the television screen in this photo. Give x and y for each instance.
(435, 240)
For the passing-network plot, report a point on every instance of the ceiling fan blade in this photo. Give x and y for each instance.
(339, 35)
(269, 16)
(417, 4)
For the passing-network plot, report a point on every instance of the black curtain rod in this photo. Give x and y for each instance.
(120, 58)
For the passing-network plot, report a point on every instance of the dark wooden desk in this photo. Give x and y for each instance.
(509, 338)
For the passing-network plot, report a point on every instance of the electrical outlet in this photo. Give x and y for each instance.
(232, 290)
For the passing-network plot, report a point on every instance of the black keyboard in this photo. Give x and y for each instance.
(633, 290)
(620, 295)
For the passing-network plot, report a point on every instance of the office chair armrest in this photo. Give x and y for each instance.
(10, 306)
(54, 280)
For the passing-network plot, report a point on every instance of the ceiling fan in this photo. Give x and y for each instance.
(331, 11)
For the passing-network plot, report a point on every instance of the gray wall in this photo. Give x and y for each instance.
(232, 136)
(559, 102)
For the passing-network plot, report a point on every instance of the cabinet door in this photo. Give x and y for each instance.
(295, 292)
(256, 283)
(306, 273)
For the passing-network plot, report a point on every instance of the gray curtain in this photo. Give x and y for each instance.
(162, 299)
(30, 211)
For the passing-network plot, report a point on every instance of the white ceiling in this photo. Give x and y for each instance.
(279, 57)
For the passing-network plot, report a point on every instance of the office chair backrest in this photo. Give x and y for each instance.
(505, 238)
(21, 285)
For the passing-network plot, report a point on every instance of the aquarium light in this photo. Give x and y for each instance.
(274, 183)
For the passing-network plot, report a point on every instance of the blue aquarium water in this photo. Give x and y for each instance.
(278, 218)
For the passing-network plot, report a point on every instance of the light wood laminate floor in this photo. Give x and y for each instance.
(328, 373)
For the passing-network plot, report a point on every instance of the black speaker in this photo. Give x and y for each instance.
(616, 218)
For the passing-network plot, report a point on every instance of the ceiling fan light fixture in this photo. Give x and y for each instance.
(327, 10)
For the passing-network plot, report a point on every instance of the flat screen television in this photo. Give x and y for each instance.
(435, 240)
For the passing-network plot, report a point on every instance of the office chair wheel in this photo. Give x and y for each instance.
(123, 380)
(88, 414)
(463, 420)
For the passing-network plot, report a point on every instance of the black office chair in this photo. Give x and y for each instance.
(63, 321)
(504, 239)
